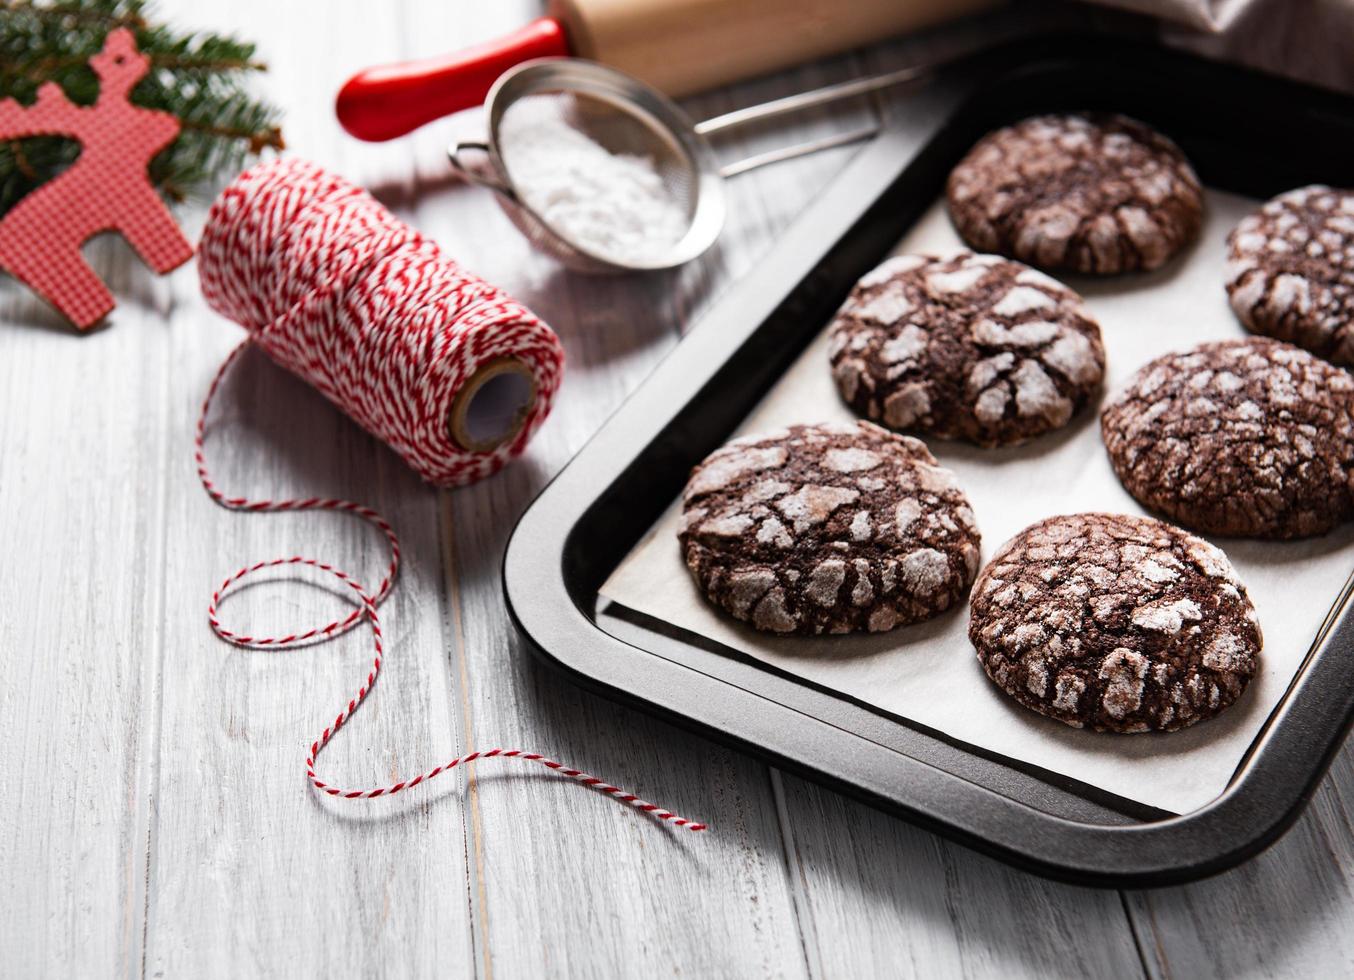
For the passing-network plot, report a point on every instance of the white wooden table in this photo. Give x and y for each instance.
(156, 820)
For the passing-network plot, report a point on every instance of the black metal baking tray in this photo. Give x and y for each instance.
(1244, 132)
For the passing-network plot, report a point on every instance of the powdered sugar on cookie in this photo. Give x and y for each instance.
(828, 528)
(1247, 437)
(985, 349)
(1091, 193)
(1290, 271)
(1116, 623)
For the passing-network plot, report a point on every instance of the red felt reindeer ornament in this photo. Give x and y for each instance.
(106, 189)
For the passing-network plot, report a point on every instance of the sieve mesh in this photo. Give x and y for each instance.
(594, 178)
(633, 186)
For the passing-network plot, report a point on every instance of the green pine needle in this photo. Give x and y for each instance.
(198, 77)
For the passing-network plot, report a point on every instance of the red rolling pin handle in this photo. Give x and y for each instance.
(391, 100)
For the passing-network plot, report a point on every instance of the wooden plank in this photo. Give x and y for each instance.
(81, 501)
(1284, 914)
(880, 895)
(567, 882)
(251, 872)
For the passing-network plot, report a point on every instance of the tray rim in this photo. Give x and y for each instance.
(1273, 783)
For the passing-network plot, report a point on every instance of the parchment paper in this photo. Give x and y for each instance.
(928, 672)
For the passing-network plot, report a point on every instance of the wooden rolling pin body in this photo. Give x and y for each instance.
(685, 46)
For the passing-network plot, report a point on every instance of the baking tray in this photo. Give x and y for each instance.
(1243, 132)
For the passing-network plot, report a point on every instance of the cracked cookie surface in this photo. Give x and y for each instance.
(1249, 438)
(828, 528)
(972, 347)
(1115, 623)
(1088, 192)
(1290, 271)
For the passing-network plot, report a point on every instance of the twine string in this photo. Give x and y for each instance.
(367, 604)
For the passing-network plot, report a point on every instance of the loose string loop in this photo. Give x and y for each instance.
(367, 604)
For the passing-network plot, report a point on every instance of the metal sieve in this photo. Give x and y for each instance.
(626, 116)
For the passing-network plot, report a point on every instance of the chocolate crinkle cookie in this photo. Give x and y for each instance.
(828, 529)
(1252, 438)
(1290, 271)
(1116, 623)
(1091, 193)
(972, 347)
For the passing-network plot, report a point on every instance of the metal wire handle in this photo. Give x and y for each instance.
(474, 175)
(805, 100)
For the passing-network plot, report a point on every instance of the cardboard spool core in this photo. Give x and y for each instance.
(493, 406)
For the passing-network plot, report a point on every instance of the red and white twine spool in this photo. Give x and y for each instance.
(342, 293)
(361, 306)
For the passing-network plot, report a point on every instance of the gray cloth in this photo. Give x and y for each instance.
(1310, 40)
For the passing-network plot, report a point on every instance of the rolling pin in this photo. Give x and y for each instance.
(678, 46)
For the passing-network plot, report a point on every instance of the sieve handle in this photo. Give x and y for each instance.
(474, 174)
(797, 150)
(807, 100)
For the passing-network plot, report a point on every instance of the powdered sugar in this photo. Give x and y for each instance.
(613, 204)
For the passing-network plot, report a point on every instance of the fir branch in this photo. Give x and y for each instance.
(258, 141)
(197, 76)
(197, 62)
(105, 15)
